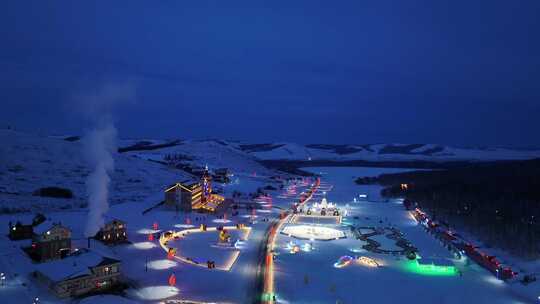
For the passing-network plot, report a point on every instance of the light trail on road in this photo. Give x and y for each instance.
(269, 294)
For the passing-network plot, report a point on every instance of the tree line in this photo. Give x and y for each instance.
(497, 202)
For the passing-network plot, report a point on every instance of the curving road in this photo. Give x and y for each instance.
(266, 259)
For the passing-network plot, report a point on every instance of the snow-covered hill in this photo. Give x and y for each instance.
(383, 152)
(211, 153)
(29, 162)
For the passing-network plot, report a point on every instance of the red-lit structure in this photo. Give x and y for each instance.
(172, 280)
(455, 243)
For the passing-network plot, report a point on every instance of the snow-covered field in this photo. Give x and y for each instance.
(343, 179)
(144, 263)
(310, 277)
(388, 152)
(215, 154)
(28, 162)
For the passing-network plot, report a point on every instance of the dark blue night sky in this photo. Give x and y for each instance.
(450, 72)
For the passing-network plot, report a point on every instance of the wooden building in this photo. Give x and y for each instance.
(81, 273)
(21, 231)
(210, 201)
(184, 195)
(50, 241)
(187, 196)
(114, 232)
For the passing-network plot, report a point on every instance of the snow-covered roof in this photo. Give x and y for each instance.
(110, 220)
(76, 265)
(46, 226)
(186, 185)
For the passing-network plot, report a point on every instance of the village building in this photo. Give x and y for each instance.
(50, 241)
(210, 201)
(188, 195)
(113, 232)
(19, 231)
(182, 196)
(81, 273)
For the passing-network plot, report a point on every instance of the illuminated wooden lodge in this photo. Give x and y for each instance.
(183, 196)
(50, 241)
(210, 201)
(81, 273)
(187, 196)
(114, 232)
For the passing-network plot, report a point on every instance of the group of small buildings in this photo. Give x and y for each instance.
(192, 195)
(69, 272)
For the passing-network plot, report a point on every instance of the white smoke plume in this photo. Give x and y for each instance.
(99, 146)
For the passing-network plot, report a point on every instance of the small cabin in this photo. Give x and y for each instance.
(20, 231)
(114, 232)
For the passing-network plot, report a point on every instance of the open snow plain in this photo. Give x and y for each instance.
(310, 276)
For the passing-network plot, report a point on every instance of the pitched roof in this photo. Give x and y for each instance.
(76, 265)
(46, 226)
(186, 185)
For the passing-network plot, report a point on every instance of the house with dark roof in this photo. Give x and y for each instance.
(113, 232)
(80, 273)
(20, 231)
(50, 241)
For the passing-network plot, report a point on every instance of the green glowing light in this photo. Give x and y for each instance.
(430, 269)
(268, 297)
